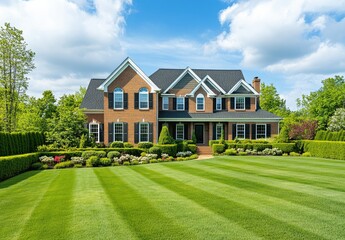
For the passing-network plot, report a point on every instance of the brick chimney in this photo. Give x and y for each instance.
(256, 84)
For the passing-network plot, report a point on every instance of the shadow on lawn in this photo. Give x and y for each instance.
(17, 179)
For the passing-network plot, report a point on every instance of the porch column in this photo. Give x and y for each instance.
(191, 130)
(229, 131)
(210, 131)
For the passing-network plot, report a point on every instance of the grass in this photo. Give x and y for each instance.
(221, 198)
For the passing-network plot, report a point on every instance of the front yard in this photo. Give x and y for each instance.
(247, 197)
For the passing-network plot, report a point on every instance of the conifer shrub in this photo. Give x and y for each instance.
(164, 136)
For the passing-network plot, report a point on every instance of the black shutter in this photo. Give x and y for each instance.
(214, 104)
(268, 130)
(233, 131)
(186, 131)
(253, 131)
(101, 132)
(214, 131)
(247, 131)
(247, 103)
(174, 103)
(186, 103)
(125, 100)
(174, 130)
(110, 132)
(125, 132)
(136, 100)
(111, 100)
(224, 103)
(232, 103)
(136, 132)
(150, 132)
(151, 100)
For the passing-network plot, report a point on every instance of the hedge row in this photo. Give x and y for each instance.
(19, 143)
(285, 147)
(13, 165)
(325, 149)
(330, 136)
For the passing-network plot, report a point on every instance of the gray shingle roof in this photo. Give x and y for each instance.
(226, 79)
(259, 114)
(93, 98)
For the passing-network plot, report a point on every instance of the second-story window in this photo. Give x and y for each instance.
(240, 103)
(143, 98)
(118, 98)
(200, 102)
(165, 103)
(218, 103)
(180, 103)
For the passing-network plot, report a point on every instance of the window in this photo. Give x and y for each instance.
(240, 131)
(240, 103)
(260, 131)
(219, 129)
(143, 132)
(200, 102)
(143, 98)
(118, 98)
(94, 131)
(179, 131)
(218, 103)
(118, 131)
(165, 103)
(180, 103)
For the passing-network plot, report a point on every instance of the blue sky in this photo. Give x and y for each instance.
(293, 44)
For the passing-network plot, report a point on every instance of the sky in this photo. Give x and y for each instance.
(292, 44)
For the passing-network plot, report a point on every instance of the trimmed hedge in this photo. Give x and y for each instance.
(192, 147)
(170, 149)
(67, 154)
(325, 149)
(20, 143)
(285, 147)
(218, 148)
(13, 165)
(330, 136)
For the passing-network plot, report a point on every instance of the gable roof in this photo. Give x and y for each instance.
(202, 84)
(127, 63)
(226, 79)
(93, 99)
(243, 84)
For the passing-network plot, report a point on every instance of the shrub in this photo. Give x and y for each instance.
(325, 149)
(230, 152)
(113, 154)
(145, 145)
(66, 164)
(78, 160)
(104, 162)
(242, 153)
(285, 147)
(77, 165)
(128, 145)
(46, 160)
(218, 148)
(164, 136)
(93, 161)
(115, 164)
(192, 147)
(126, 163)
(170, 149)
(184, 154)
(153, 161)
(36, 166)
(193, 156)
(68, 154)
(261, 146)
(294, 154)
(117, 144)
(155, 150)
(306, 154)
(211, 142)
(135, 162)
(87, 154)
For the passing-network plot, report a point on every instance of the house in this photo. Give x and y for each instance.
(132, 107)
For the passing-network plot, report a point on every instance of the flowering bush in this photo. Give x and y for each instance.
(184, 154)
(165, 155)
(58, 159)
(46, 160)
(78, 160)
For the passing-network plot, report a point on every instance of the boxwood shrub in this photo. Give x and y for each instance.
(117, 144)
(192, 147)
(145, 145)
(325, 149)
(261, 146)
(13, 165)
(87, 154)
(211, 142)
(218, 148)
(285, 147)
(170, 149)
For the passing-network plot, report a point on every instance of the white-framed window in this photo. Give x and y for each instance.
(165, 103)
(118, 98)
(219, 103)
(219, 129)
(118, 131)
(260, 131)
(144, 132)
(180, 103)
(240, 103)
(200, 102)
(143, 98)
(94, 131)
(240, 131)
(179, 131)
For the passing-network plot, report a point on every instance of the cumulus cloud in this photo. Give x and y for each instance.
(78, 38)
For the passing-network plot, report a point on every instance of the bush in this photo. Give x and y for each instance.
(211, 142)
(218, 148)
(170, 149)
(145, 145)
(155, 150)
(306, 154)
(153, 161)
(164, 136)
(261, 146)
(128, 145)
(230, 152)
(87, 154)
(68, 154)
(104, 162)
(78, 160)
(294, 154)
(77, 165)
(285, 147)
(117, 144)
(242, 153)
(36, 166)
(113, 154)
(66, 164)
(325, 149)
(126, 163)
(46, 160)
(20, 143)
(93, 161)
(192, 147)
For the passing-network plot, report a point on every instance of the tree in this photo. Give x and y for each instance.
(305, 129)
(16, 61)
(271, 101)
(164, 136)
(337, 121)
(323, 103)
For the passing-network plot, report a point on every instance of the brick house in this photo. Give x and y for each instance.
(132, 107)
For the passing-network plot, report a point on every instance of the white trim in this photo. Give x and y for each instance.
(232, 120)
(184, 101)
(178, 125)
(256, 130)
(148, 131)
(244, 131)
(93, 111)
(203, 132)
(245, 85)
(221, 103)
(98, 132)
(163, 103)
(168, 94)
(200, 95)
(121, 108)
(244, 103)
(184, 73)
(148, 100)
(215, 84)
(127, 63)
(118, 133)
(204, 86)
(222, 129)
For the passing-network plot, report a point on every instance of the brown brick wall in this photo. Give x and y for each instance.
(99, 118)
(252, 106)
(208, 102)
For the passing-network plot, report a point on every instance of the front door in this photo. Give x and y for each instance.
(199, 133)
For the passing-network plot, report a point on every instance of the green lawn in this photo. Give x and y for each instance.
(220, 198)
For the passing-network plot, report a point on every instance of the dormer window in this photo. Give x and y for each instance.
(143, 98)
(118, 98)
(200, 102)
(240, 103)
(180, 103)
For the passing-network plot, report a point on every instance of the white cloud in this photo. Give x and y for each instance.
(70, 38)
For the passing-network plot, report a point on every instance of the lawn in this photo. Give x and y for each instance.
(221, 198)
